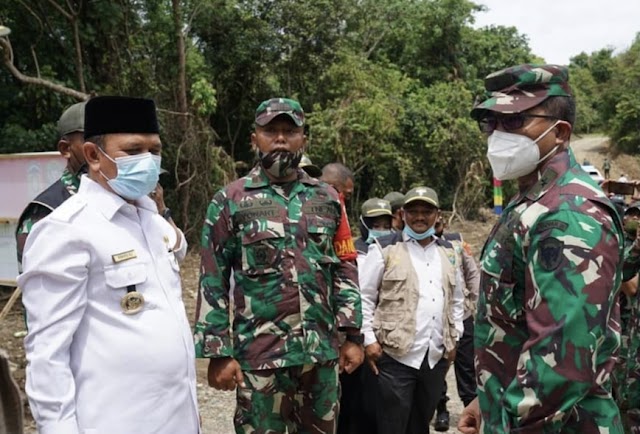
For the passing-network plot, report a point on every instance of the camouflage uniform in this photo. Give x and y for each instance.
(547, 327)
(546, 330)
(36, 210)
(627, 372)
(291, 295)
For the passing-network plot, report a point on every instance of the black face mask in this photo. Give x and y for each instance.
(280, 164)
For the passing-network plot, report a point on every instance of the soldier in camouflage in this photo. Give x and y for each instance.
(627, 372)
(547, 328)
(274, 231)
(70, 129)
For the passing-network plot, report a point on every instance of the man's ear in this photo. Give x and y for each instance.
(563, 132)
(64, 147)
(90, 152)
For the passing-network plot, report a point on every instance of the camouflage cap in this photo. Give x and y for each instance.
(72, 120)
(396, 199)
(271, 108)
(375, 207)
(311, 169)
(424, 194)
(519, 88)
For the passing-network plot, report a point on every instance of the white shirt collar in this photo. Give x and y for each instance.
(107, 202)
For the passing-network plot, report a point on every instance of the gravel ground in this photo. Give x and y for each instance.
(217, 407)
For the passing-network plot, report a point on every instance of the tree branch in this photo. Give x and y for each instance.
(6, 46)
(61, 10)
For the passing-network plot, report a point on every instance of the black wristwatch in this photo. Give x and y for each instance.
(166, 214)
(356, 339)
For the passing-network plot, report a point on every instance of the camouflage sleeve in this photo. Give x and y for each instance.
(631, 265)
(572, 268)
(34, 215)
(212, 337)
(346, 294)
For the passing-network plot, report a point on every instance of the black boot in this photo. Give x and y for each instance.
(442, 421)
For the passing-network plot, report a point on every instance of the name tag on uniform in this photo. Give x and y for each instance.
(124, 256)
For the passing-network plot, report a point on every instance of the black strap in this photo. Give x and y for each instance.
(131, 288)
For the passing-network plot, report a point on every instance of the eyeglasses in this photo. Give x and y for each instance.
(509, 122)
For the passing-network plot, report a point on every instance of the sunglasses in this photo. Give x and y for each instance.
(509, 122)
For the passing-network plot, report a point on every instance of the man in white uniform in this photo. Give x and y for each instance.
(109, 347)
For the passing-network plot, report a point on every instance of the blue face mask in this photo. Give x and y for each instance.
(416, 236)
(137, 175)
(375, 233)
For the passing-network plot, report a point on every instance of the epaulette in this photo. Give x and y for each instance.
(71, 207)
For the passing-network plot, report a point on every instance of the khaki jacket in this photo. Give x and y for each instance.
(394, 320)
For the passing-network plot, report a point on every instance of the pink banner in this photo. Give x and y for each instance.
(23, 176)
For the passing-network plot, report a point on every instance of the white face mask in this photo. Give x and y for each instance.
(514, 155)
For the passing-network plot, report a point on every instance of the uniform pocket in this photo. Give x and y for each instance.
(392, 293)
(261, 252)
(501, 300)
(321, 231)
(387, 332)
(119, 277)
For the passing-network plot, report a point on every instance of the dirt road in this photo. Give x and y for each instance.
(594, 149)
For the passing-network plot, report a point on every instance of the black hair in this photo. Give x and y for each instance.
(98, 140)
(561, 107)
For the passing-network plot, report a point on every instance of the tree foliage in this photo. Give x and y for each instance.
(387, 84)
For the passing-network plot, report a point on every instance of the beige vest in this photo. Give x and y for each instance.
(394, 320)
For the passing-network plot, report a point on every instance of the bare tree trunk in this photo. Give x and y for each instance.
(182, 62)
(78, 59)
(72, 17)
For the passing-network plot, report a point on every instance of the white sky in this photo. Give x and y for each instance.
(560, 29)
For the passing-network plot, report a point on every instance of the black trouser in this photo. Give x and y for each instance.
(352, 418)
(406, 397)
(465, 370)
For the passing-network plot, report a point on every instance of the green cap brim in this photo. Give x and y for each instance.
(422, 198)
(377, 212)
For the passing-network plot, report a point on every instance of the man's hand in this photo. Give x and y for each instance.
(224, 373)
(470, 418)
(351, 356)
(158, 197)
(451, 356)
(373, 353)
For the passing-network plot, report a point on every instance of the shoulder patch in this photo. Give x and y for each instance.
(551, 224)
(550, 253)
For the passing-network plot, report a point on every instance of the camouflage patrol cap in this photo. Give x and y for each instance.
(396, 199)
(519, 88)
(424, 194)
(311, 169)
(72, 120)
(271, 108)
(375, 207)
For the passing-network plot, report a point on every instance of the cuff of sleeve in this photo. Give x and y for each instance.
(67, 426)
(369, 338)
(346, 321)
(215, 347)
(181, 253)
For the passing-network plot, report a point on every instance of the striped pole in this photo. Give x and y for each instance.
(497, 196)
